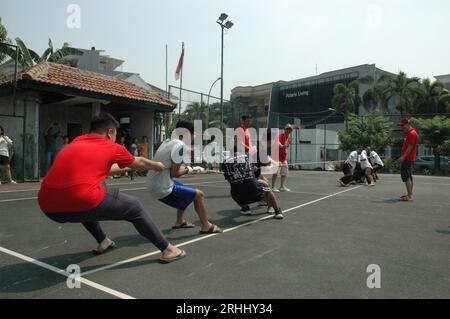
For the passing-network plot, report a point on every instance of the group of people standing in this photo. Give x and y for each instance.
(136, 148)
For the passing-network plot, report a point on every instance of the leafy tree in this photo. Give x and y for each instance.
(436, 132)
(28, 57)
(374, 99)
(3, 38)
(346, 97)
(432, 98)
(403, 90)
(374, 130)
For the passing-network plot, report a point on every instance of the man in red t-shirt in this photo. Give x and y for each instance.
(243, 136)
(284, 141)
(73, 190)
(408, 157)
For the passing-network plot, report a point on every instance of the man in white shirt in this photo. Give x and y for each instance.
(350, 166)
(366, 167)
(173, 193)
(5, 141)
(376, 162)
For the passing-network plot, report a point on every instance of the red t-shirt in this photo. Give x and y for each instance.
(410, 138)
(73, 183)
(283, 139)
(244, 137)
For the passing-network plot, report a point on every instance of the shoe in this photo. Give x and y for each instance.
(341, 182)
(262, 203)
(99, 250)
(246, 211)
(271, 211)
(371, 184)
(275, 190)
(13, 182)
(278, 215)
(284, 189)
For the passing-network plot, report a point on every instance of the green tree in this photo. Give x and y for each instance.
(374, 130)
(27, 57)
(432, 98)
(3, 38)
(435, 132)
(196, 111)
(55, 56)
(346, 97)
(403, 90)
(374, 99)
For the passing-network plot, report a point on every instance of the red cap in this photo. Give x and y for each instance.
(404, 122)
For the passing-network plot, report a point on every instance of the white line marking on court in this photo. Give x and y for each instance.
(16, 199)
(122, 190)
(212, 235)
(20, 190)
(66, 274)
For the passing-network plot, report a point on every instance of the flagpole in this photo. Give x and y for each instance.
(167, 92)
(181, 81)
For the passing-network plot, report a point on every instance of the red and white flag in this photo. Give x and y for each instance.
(180, 64)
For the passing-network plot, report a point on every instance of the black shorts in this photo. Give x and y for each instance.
(347, 168)
(406, 171)
(4, 160)
(248, 192)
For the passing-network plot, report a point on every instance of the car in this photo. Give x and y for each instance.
(427, 161)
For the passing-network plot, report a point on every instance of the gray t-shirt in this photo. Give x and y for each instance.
(170, 152)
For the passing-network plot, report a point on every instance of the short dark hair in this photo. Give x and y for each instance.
(2, 130)
(101, 122)
(246, 116)
(187, 125)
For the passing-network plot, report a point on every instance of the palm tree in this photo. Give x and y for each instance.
(374, 99)
(432, 98)
(404, 90)
(346, 97)
(28, 57)
(55, 56)
(196, 111)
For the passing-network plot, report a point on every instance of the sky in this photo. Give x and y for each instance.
(271, 40)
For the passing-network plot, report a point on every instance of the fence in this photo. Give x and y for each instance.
(200, 106)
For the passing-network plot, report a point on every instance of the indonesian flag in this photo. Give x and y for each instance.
(180, 64)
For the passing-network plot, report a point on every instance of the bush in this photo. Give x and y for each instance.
(390, 166)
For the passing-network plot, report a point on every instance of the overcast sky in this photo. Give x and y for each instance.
(271, 40)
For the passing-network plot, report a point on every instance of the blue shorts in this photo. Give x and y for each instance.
(181, 196)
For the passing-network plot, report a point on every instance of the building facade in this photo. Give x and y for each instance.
(52, 92)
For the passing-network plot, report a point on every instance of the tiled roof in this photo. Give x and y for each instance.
(57, 74)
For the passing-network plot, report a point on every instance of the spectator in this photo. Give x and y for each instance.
(5, 142)
(51, 133)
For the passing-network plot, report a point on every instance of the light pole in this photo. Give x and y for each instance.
(207, 103)
(223, 25)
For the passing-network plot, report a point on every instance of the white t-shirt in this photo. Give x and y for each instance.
(352, 159)
(170, 152)
(4, 145)
(376, 158)
(364, 160)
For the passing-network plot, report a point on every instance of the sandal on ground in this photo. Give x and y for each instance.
(98, 251)
(405, 199)
(214, 229)
(181, 255)
(184, 225)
